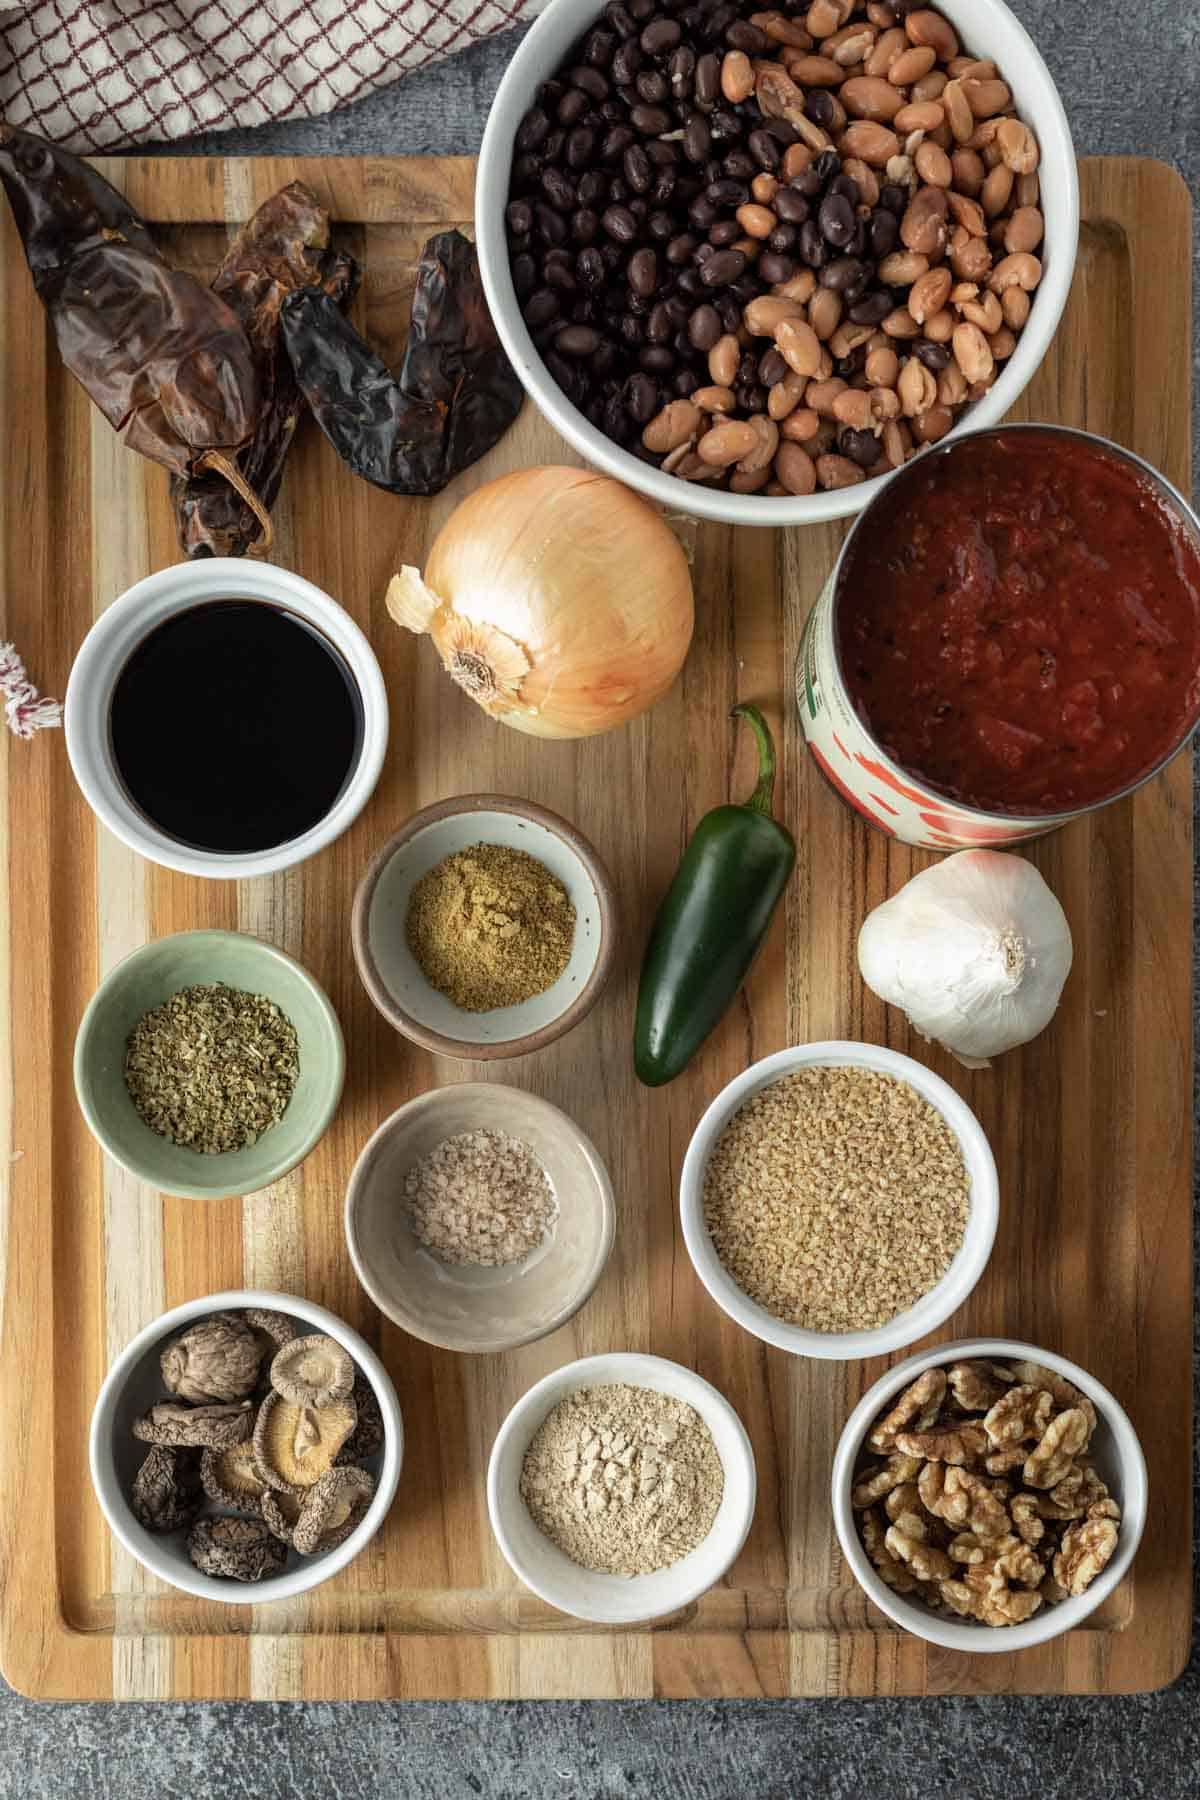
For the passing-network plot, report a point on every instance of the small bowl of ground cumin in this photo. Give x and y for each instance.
(484, 928)
(839, 1200)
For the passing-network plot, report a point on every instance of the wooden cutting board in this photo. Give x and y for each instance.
(1091, 1125)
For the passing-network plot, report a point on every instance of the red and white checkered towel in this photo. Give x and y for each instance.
(95, 74)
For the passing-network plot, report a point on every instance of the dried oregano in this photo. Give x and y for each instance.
(212, 1068)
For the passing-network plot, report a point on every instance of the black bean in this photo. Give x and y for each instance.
(524, 274)
(685, 383)
(526, 171)
(827, 166)
(612, 112)
(591, 81)
(691, 284)
(589, 267)
(657, 359)
(551, 226)
(708, 84)
(581, 146)
(836, 219)
(842, 274)
(790, 205)
(747, 289)
(643, 272)
(764, 149)
(773, 266)
(571, 107)
(631, 330)
(660, 226)
(818, 107)
(665, 154)
(616, 141)
(650, 120)
(519, 217)
(747, 369)
(659, 329)
(641, 10)
(560, 276)
(593, 187)
(641, 398)
(783, 132)
(893, 198)
(812, 244)
(858, 243)
(584, 225)
(739, 166)
(936, 357)
(729, 310)
(751, 397)
(702, 213)
(660, 35)
(726, 124)
(569, 376)
(783, 238)
(639, 172)
(862, 447)
(680, 71)
(663, 186)
(532, 130)
(846, 186)
(678, 310)
(771, 367)
(619, 18)
(681, 343)
(719, 20)
(696, 139)
(679, 250)
(722, 267)
(619, 223)
(540, 308)
(726, 193)
(626, 62)
(613, 256)
(724, 233)
(883, 233)
(741, 35)
(598, 49)
(550, 93)
(652, 86)
(577, 340)
(807, 183)
(639, 209)
(872, 309)
(704, 327)
(559, 190)
(605, 359)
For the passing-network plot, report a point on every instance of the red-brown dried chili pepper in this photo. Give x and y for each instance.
(456, 393)
(284, 246)
(161, 355)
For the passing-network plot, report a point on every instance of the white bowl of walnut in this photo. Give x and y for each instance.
(989, 1495)
(177, 1473)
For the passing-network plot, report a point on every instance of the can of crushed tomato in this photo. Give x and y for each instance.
(1010, 638)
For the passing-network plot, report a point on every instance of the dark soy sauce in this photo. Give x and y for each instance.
(235, 726)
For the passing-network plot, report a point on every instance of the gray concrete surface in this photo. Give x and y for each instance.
(1130, 75)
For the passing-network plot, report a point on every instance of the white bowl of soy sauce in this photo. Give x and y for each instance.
(226, 718)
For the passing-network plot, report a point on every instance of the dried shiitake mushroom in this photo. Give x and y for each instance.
(367, 1437)
(312, 1371)
(242, 1549)
(272, 1329)
(331, 1509)
(216, 1359)
(280, 1511)
(231, 1477)
(295, 1444)
(203, 1427)
(166, 1492)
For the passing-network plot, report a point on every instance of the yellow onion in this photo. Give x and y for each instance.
(557, 598)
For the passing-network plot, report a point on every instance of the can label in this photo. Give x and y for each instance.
(865, 777)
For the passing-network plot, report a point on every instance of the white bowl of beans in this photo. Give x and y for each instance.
(772, 308)
(839, 1200)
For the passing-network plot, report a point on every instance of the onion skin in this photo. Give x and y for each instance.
(558, 598)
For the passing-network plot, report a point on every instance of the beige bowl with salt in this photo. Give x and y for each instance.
(463, 1306)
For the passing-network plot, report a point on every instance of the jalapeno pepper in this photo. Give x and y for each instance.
(711, 922)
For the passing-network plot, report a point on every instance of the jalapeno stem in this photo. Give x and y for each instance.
(762, 799)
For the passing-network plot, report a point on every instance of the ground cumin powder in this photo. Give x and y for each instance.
(490, 926)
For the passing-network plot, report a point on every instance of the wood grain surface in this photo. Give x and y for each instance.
(1091, 1125)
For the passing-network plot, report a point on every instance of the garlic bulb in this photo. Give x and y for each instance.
(975, 949)
(558, 599)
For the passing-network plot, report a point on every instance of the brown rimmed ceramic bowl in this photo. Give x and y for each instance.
(390, 972)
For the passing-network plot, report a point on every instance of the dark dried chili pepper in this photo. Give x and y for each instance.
(285, 246)
(454, 397)
(161, 355)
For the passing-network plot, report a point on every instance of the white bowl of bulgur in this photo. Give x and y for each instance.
(966, 1509)
(839, 1200)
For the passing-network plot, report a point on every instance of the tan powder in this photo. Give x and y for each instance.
(624, 1480)
(490, 926)
(836, 1198)
(481, 1197)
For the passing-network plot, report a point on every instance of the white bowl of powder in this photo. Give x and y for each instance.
(624, 1460)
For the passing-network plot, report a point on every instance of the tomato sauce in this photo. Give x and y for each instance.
(1018, 622)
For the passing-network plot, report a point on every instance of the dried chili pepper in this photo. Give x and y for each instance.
(285, 246)
(161, 355)
(454, 397)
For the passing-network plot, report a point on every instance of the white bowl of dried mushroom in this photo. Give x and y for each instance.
(989, 1495)
(246, 1446)
(839, 1200)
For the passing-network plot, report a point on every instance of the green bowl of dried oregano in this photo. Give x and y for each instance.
(209, 1064)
